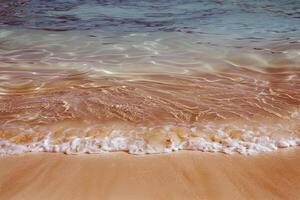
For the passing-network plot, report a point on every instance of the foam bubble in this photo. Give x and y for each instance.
(247, 143)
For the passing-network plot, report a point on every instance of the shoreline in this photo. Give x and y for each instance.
(180, 175)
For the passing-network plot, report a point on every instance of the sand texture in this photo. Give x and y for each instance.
(181, 175)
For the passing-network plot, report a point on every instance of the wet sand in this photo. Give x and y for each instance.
(181, 175)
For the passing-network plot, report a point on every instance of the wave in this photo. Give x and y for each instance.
(142, 140)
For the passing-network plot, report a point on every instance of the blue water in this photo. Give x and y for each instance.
(245, 18)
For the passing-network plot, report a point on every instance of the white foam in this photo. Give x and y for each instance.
(248, 144)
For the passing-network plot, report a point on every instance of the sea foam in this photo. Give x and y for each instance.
(166, 139)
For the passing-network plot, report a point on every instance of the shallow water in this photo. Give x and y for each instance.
(149, 77)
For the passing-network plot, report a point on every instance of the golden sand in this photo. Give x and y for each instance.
(182, 175)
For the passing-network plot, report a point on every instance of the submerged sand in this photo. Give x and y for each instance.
(181, 175)
(227, 109)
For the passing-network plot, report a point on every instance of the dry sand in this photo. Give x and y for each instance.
(182, 175)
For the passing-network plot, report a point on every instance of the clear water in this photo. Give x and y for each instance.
(149, 76)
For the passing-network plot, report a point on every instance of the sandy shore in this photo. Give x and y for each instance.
(182, 175)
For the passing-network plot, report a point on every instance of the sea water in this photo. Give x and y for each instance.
(84, 76)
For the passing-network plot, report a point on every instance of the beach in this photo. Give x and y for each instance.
(180, 175)
(140, 99)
